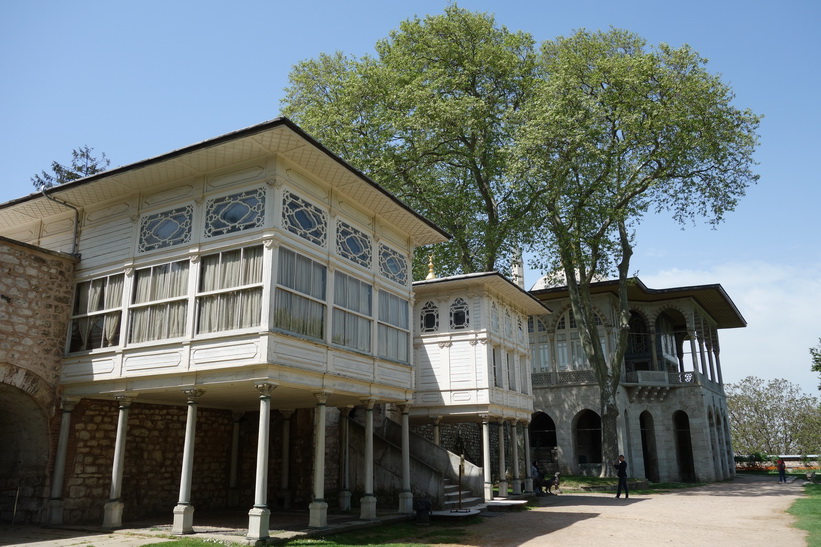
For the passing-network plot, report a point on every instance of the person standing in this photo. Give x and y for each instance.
(537, 477)
(782, 470)
(621, 469)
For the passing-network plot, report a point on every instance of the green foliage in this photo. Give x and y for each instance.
(430, 119)
(83, 164)
(560, 150)
(772, 418)
(815, 353)
(807, 511)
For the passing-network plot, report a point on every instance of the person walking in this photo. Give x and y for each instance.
(621, 469)
(782, 470)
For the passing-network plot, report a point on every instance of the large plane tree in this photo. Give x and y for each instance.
(559, 150)
(617, 130)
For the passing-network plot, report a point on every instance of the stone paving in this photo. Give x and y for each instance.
(746, 511)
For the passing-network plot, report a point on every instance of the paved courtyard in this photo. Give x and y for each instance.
(747, 511)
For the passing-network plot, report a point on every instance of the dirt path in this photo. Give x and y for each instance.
(747, 511)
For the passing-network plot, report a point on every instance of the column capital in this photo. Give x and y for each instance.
(404, 407)
(322, 397)
(287, 412)
(265, 388)
(124, 400)
(369, 402)
(193, 394)
(68, 403)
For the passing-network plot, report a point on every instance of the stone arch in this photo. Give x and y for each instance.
(25, 437)
(649, 448)
(543, 440)
(684, 446)
(42, 392)
(587, 437)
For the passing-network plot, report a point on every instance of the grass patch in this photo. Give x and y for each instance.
(808, 512)
(191, 542)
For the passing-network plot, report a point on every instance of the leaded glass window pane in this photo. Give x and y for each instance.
(235, 213)
(304, 219)
(353, 244)
(165, 229)
(459, 314)
(392, 264)
(430, 318)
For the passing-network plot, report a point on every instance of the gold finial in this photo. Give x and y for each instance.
(431, 275)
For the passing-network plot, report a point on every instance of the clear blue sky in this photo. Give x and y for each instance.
(138, 79)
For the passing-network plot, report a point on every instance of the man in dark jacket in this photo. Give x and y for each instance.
(621, 467)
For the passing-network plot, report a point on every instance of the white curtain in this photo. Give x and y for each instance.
(164, 319)
(232, 308)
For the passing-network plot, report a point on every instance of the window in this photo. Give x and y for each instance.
(96, 314)
(393, 265)
(508, 325)
(353, 244)
(304, 219)
(159, 302)
(165, 229)
(494, 317)
(235, 213)
(459, 315)
(511, 372)
(299, 305)
(498, 375)
(539, 345)
(230, 290)
(569, 352)
(352, 312)
(393, 327)
(430, 318)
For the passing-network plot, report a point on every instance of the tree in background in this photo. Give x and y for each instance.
(83, 164)
(617, 129)
(431, 118)
(561, 151)
(815, 353)
(773, 418)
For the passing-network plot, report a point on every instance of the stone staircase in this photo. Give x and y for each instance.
(453, 496)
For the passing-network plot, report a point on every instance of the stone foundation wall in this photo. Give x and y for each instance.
(153, 460)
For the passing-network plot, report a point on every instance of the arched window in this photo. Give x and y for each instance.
(569, 352)
(430, 318)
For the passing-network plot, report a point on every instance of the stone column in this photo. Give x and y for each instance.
(233, 492)
(113, 509)
(367, 503)
(55, 502)
(436, 433)
(184, 511)
(514, 446)
(318, 508)
(488, 493)
(345, 431)
(284, 494)
(529, 479)
(259, 517)
(502, 464)
(405, 495)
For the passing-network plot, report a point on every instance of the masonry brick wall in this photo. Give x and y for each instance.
(35, 298)
(153, 459)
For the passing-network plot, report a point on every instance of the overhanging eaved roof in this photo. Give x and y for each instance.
(278, 136)
(493, 281)
(713, 299)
